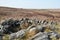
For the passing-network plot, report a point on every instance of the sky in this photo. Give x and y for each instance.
(31, 4)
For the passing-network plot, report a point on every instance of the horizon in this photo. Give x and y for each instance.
(31, 8)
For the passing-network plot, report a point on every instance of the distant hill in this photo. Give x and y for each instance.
(49, 14)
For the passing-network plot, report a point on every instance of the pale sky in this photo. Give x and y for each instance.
(35, 4)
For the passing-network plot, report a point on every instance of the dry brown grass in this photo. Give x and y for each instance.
(51, 14)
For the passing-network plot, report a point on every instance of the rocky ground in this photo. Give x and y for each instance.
(28, 29)
(46, 23)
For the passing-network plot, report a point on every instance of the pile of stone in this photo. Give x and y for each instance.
(21, 28)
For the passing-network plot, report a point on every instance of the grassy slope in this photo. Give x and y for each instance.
(51, 14)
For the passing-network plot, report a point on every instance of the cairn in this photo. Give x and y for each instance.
(18, 29)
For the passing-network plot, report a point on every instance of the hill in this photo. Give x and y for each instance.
(48, 14)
